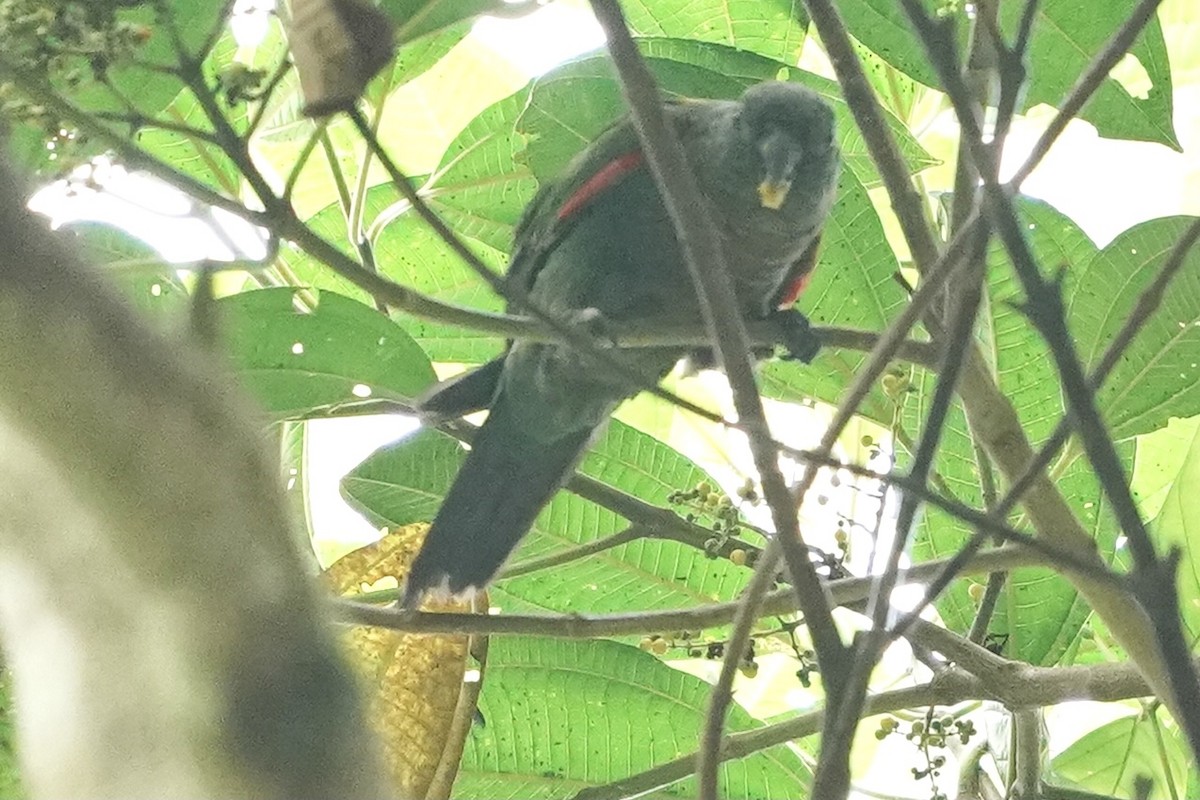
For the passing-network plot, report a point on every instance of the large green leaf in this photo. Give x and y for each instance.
(137, 270)
(513, 786)
(409, 252)
(1024, 367)
(644, 574)
(1040, 612)
(560, 713)
(1109, 759)
(772, 28)
(481, 186)
(1159, 456)
(140, 82)
(1067, 34)
(1158, 377)
(405, 482)
(1178, 524)
(480, 189)
(412, 59)
(296, 360)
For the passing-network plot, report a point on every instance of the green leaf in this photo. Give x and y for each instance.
(481, 186)
(295, 361)
(11, 787)
(193, 156)
(149, 90)
(1024, 367)
(137, 270)
(644, 574)
(772, 28)
(511, 786)
(1066, 35)
(413, 59)
(883, 27)
(936, 533)
(1159, 375)
(481, 190)
(1178, 524)
(1159, 456)
(1040, 612)
(1108, 759)
(404, 482)
(595, 712)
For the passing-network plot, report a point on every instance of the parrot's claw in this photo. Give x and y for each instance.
(801, 342)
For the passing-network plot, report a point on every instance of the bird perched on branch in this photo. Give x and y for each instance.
(597, 244)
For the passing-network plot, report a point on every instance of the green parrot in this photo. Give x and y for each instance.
(597, 244)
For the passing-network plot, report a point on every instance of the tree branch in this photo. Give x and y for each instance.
(1033, 687)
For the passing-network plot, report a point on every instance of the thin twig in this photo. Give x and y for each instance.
(264, 97)
(581, 626)
(137, 121)
(1032, 687)
(630, 534)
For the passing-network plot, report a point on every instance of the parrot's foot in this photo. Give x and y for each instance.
(801, 342)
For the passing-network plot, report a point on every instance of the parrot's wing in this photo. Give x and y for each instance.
(615, 154)
(461, 395)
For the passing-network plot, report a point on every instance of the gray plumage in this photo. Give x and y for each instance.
(591, 242)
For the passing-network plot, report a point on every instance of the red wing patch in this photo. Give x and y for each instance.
(792, 293)
(606, 177)
(802, 272)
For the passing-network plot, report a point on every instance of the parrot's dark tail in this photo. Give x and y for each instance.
(507, 479)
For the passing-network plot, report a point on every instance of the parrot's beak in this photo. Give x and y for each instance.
(772, 193)
(780, 155)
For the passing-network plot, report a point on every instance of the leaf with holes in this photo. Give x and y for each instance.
(1066, 35)
(1158, 377)
(561, 713)
(295, 360)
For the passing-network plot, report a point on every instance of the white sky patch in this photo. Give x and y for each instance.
(180, 229)
(537, 42)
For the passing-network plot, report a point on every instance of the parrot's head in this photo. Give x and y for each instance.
(789, 128)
